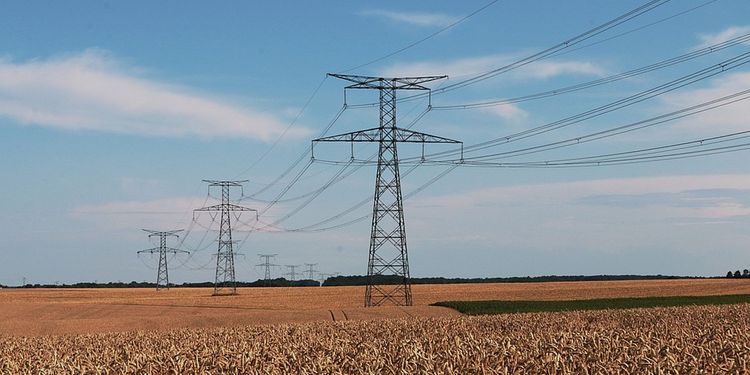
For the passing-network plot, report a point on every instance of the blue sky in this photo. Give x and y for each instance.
(111, 114)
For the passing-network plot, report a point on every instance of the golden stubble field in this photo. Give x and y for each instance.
(684, 340)
(37, 312)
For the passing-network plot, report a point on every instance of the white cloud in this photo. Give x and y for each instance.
(461, 68)
(159, 206)
(510, 112)
(412, 18)
(163, 214)
(721, 36)
(730, 118)
(561, 223)
(637, 185)
(94, 91)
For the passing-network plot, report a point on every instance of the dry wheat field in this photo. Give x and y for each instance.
(684, 340)
(38, 312)
(325, 330)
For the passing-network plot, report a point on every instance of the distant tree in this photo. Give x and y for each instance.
(737, 273)
(745, 273)
(729, 274)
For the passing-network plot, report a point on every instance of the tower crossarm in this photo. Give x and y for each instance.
(228, 207)
(399, 83)
(175, 251)
(153, 233)
(153, 250)
(225, 183)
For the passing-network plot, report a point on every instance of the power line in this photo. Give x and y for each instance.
(670, 86)
(549, 51)
(299, 159)
(605, 80)
(415, 43)
(286, 130)
(638, 125)
(602, 160)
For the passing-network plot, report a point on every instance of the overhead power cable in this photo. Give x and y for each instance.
(661, 153)
(428, 37)
(605, 80)
(286, 130)
(299, 159)
(314, 228)
(638, 125)
(670, 86)
(648, 6)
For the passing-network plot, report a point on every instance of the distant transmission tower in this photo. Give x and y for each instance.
(225, 283)
(292, 272)
(310, 271)
(162, 275)
(267, 266)
(388, 254)
(325, 276)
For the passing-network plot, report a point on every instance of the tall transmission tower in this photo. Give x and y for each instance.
(388, 254)
(162, 275)
(267, 266)
(292, 271)
(225, 283)
(310, 271)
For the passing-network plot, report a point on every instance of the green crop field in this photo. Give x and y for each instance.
(507, 307)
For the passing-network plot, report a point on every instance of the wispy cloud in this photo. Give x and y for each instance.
(159, 214)
(459, 68)
(707, 196)
(558, 227)
(721, 36)
(94, 91)
(730, 118)
(412, 18)
(510, 112)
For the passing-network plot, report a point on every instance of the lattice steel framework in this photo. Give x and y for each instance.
(225, 283)
(292, 271)
(310, 271)
(162, 274)
(267, 266)
(388, 255)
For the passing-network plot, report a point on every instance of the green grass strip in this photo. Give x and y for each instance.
(508, 307)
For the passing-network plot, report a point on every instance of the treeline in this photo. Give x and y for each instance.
(392, 280)
(383, 280)
(737, 274)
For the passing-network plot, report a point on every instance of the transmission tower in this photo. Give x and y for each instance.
(225, 283)
(310, 271)
(267, 266)
(292, 271)
(388, 254)
(162, 275)
(325, 276)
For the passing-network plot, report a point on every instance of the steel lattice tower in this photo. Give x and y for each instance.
(267, 266)
(162, 275)
(388, 255)
(225, 283)
(310, 271)
(292, 271)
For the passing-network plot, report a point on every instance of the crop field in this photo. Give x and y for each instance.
(674, 340)
(36, 312)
